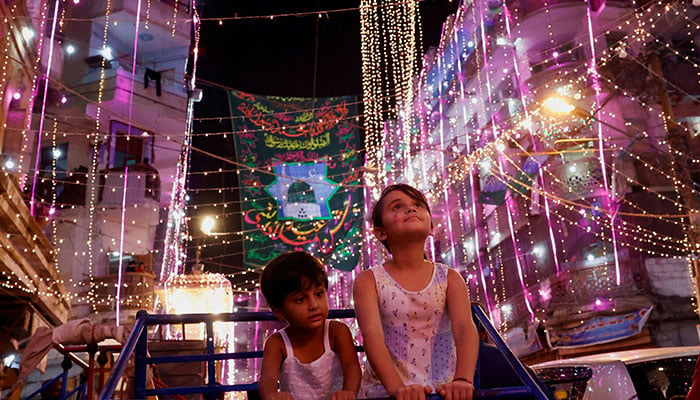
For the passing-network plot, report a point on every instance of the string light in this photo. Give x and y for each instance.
(30, 102)
(458, 169)
(43, 107)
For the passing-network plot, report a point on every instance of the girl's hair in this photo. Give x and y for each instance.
(289, 273)
(378, 209)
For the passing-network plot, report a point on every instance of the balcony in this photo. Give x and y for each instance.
(548, 71)
(160, 10)
(161, 15)
(118, 79)
(136, 292)
(527, 7)
(27, 257)
(578, 179)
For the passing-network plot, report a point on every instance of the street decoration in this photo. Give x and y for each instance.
(299, 177)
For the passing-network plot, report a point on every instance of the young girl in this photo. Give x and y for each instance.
(312, 358)
(414, 314)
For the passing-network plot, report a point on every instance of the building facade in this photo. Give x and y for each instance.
(115, 147)
(561, 184)
(32, 293)
(96, 107)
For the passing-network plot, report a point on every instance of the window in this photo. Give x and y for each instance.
(50, 155)
(113, 260)
(129, 145)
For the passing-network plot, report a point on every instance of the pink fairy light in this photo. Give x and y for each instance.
(257, 328)
(473, 196)
(540, 172)
(17, 95)
(601, 154)
(121, 243)
(509, 201)
(43, 110)
(368, 226)
(422, 145)
(133, 66)
(126, 167)
(445, 189)
(30, 103)
(172, 263)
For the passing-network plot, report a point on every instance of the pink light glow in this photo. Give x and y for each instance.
(445, 190)
(43, 108)
(52, 210)
(257, 327)
(532, 138)
(17, 95)
(472, 209)
(509, 201)
(126, 168)
(121, 242)
(600, 304)
(601, 153)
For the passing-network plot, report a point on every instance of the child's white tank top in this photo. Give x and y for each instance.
(417, 332)
(313, 381)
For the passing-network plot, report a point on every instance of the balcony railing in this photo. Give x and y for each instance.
(526, 7)
(577, 180)
(138, 345)
(118, 76)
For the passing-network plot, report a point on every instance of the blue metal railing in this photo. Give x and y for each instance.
(137, 344)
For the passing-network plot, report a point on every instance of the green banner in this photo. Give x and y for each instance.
(301, 185)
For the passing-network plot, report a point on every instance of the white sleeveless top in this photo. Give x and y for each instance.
(417, 332)
(313, 381)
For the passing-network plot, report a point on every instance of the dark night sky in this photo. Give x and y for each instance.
(271, 57)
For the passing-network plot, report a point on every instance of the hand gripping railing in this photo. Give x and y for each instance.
(137, 344)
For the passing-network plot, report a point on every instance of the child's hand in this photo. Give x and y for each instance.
(411, 392)
(456, 390)
(280, 396)
(343, 395)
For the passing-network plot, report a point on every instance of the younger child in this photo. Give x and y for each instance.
(414, 314)
(311, 358)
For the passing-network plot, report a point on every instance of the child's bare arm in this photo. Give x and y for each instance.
(344, 346)
(465, 336)
(273, 355)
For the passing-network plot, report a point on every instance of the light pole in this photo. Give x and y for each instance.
(207, 225)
